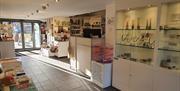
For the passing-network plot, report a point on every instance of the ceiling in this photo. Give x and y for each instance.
(21, 9)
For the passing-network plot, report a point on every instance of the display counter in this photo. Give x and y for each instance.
(81, 53)
(60, 49)
(93, 58)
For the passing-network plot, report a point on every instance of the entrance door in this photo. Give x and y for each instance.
(28, 35)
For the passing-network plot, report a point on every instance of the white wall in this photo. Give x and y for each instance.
(110, 23)
(124, 4)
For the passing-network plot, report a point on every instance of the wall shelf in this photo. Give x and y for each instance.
(138, 29)
(163, 49)
(134, 46)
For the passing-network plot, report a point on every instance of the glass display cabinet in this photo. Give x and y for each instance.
(135, 34)
(147, 52)
(169, 37)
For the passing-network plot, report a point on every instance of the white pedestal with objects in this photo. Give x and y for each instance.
(62, 50)
(101, 74)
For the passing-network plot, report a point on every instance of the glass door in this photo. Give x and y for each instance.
(37, 37)
(17, 35)
(28, 35)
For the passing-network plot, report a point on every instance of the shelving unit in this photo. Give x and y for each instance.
(169, 37)
(91, 21)
(148, 58)
(135, 34)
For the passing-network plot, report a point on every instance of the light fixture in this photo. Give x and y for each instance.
(129, 9)
(32, 13)
(47, 5)
(44, 7)
(57, 0)
(37, 11)
(149, 5)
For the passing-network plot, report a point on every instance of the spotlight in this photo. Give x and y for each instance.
(149, 5)
(44, 7)
(37, 11)
(47, 5)
(57, 0)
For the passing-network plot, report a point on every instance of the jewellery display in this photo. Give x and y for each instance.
(129, 57)
(170, 40)
(170, 62)
(136, 36)
(135, 39)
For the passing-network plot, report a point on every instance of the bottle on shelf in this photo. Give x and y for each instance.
(150, 27)
(147, 25)
(0, 38)
(132, 27)
(127, 25)
(138, 25)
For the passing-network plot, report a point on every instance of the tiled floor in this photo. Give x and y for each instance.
(48, 78)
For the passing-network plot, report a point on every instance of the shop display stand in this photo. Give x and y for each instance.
(101, 74)
(147, 56)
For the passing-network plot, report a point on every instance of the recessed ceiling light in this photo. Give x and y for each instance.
(47, 5)
(57, 0)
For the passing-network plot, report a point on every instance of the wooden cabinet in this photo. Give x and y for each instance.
(141, 76)
(121, 72)
(132, 76)
(166, 80)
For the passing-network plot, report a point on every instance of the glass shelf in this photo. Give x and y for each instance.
(169, 29)
(163, 49)
(169, 59)
(74, 29)
(134, 46)
(137, 29)
(143, 61)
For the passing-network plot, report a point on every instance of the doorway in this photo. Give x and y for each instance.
(26, 33)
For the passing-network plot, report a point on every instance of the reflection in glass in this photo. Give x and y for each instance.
(37, 35)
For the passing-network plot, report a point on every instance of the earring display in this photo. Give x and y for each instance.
(143, 39)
